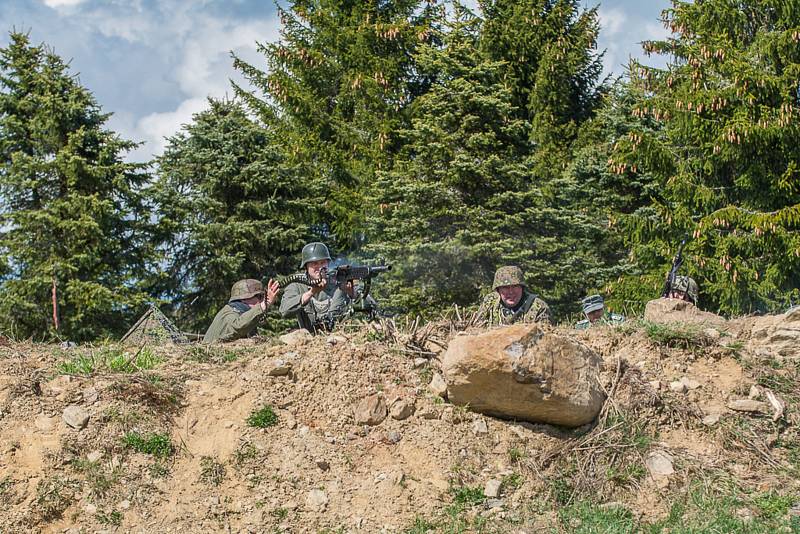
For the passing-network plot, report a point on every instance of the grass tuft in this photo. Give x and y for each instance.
(158, 445)
(263, 417)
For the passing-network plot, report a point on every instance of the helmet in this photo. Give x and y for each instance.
(687, 285)
(592, 303)
(314, 252)
(244, 289)
(509, 275)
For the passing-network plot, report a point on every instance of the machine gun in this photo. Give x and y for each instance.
(339, 275)
(677, 261)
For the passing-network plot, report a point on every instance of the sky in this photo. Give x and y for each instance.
(154, 63)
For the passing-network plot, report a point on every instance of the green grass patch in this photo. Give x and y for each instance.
(113, 518)
(263, 417)
(675, 335)
(211, 353)
(111, 359)
(466, 495)
(211, 471)
(158, 445)
(99, 480)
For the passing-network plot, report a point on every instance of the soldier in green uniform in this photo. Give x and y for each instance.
(511, 301)
(245, 309)
(684, 288)
(594, 309)
(320, 305)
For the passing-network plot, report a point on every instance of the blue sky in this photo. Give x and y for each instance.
(153, 63)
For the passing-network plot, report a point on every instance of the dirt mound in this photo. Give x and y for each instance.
(262, 436)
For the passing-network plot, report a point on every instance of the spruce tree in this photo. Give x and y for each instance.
(336, 85)
(72, 213)
(231, 208)
(726, 162)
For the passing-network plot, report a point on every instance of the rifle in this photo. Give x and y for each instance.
(340, 275)
(677, 261)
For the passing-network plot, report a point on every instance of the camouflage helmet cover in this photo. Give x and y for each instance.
(245, 289)
(314, 252)
(686, 284)
(592, 303)
(510, 275)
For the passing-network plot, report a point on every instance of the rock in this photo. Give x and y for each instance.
(665, 311)
(690, 384)
(711, 419)
(124, 505)
(394, 437)
(678, 387)
(323, 465)
(748, 405)
(402, 409)
(76, 417)
(655, 384)
(429, 414)
(492, 488)
(521, 372)
(94, 456)
(419, 363)
(479, 427)
(370, 411)
(776, 334)
(438, 386)
(44, 422)
(296, 337)
(659, 464)
(90, 509)
(491, 504)
(317, 500)
(90, 395)
(755, 392)
(712, 334)
(279, 368)
(68, 345)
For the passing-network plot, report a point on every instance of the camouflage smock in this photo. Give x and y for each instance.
(531, 309)
(320, 312)
(607, 319)
(234, 321)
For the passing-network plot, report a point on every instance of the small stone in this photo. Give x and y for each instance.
(690, 384)
(331, 340)
(659, 464)
(317, 500)
(794, 511)
(678, 387)
(748, 405)
(90, 395)
(228, 424)
(394, 437)
(323, 465)
(655, 384)
(492, 488)
(480, 427)
(494, 503)
(68, 345)
(279, 368)
(429, 414)
(438, 386)
(420, 363)
(402, 409)
(214, 500)
(76, 417)
(711, 419)
(124, 505)
(712, 333)
(370, 411)
(94, 456)
(44, 423)
(296, 337)
(755, 392)
(290, 505)
(90, 509)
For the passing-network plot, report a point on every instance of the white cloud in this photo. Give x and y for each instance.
(156, 127)
(612, 20)
(62, 3)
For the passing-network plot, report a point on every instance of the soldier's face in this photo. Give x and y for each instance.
(680, 295)
(253, 301)
(314, 268)
(510, 295)
(593, 316)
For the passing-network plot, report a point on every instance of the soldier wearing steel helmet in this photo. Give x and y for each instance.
(684, 288)
(246, 308)
(319, 305)
(511, 301)
(594, 309)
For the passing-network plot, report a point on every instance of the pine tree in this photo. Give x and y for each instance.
(336, 86)
(726, 161)
(72, 213)
(231, 208)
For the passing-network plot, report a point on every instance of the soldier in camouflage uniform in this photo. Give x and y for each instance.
(320, 305)
(684, 288)
(511, 301)
(594, 309)
(240, 316)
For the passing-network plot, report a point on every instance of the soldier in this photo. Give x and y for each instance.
(594, 308)
(684, 288)
(320, 305)
(511, 301)
(245, 309)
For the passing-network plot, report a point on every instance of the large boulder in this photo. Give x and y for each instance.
(665, 311)
(778, 334)
(521, 372)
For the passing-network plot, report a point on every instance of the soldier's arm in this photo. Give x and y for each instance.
(291, 301)
(487, 307)
(542, 312)
(237, 325)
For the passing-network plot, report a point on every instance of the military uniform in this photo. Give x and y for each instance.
(594, 303)
(529, 309)
(687, 285)
(236, 319)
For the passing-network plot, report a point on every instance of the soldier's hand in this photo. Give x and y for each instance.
(272, 292)
(318, 285)
(350, 288)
